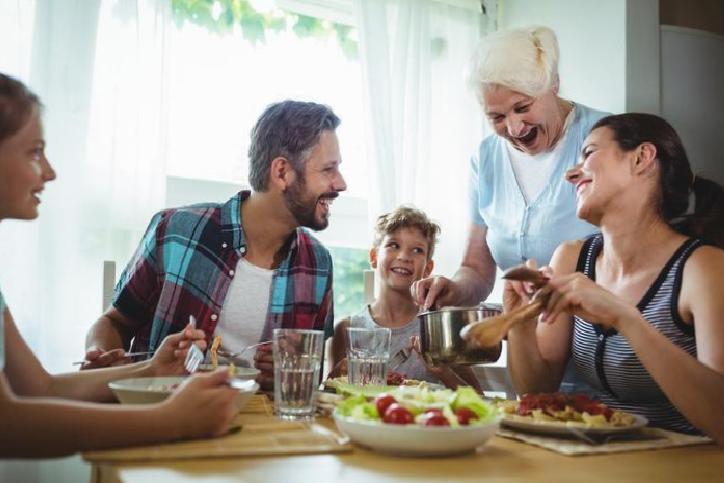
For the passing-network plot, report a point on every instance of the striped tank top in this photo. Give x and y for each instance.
(605, 358)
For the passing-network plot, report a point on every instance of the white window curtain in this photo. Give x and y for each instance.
(92, 63)
(422, 121)
(39, 261)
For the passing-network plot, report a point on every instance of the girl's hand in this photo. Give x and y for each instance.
(203, 406)
(577, 294)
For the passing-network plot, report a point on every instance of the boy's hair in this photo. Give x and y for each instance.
(407, 217)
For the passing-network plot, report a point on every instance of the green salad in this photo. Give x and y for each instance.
(419, 406)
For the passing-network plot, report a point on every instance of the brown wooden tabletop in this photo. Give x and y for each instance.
(500, 460)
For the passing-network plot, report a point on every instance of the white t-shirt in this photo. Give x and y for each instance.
(243, 316)
(533, 173)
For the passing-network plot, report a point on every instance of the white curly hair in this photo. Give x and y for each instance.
(523, 59)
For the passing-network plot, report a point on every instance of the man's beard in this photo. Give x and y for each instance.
(303, 207)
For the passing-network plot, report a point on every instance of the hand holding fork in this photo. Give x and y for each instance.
(194, 356)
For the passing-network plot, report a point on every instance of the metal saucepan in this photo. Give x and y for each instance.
(440, 340)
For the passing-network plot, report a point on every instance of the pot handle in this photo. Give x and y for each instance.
(483, 305)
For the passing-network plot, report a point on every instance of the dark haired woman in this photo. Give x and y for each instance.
(639, 307)
(48, 415)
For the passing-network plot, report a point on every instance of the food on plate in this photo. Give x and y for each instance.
(213, 351)
(163, 387)
(397, 379)
(398, 414)
(434, 417)
(384, 401)
(568, 409)
(419, 406)
(393, 379)
(465, 415)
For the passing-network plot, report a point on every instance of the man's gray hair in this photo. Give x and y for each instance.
(288, 129)
(523, 60)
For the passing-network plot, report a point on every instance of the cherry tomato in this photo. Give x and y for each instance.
(395, 379)
(433, 411)
(383, 401)
(398, 414)
(435, 420)
(465, 415)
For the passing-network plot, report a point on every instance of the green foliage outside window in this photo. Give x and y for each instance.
(223, 16)
(349, 266)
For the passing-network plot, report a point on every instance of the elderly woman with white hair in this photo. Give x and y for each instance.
(522, 207)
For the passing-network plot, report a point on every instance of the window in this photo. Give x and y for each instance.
(349, 265)
(263, 54)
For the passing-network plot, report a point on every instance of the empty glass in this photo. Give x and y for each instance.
(368, 351)
(297, 361)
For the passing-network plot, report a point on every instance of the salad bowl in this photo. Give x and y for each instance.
(418, 422)
(415, 440)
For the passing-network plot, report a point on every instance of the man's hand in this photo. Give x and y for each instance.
(96, 358)
(264, 361)
(171, 354)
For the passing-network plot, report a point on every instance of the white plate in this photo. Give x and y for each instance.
(564, 429)
(341, 385)
(244, 373)
(415, 440)
(149, 390)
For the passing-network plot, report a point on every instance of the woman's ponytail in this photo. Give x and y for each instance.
(707, 220)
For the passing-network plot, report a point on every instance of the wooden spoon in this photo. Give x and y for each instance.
(489, 332)
(521, 273)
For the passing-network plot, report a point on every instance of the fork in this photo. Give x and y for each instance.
(127, 354)
(601, 439)
(397, 360)
(194, 356)
(231, 355)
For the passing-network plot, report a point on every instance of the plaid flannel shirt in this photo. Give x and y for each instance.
(185, 263)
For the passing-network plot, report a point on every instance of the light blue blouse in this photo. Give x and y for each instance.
(518, 231)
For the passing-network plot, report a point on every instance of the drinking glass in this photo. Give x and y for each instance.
(297, 360)
(368, 351)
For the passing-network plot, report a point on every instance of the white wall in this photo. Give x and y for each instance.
(692, 76)
(592, 39)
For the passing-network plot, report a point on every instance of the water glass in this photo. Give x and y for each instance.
(297, 361)
(368, 350)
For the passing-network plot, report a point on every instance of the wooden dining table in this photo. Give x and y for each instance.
(501, 459)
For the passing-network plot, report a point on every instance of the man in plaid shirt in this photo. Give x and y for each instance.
(242, 268)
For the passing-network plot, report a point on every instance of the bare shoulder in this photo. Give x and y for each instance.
(705, 265)
(565, 258)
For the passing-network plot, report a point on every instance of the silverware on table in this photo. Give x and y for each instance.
(127, 354)
(231, 355)
(594, 439)
(397, 360)
(194, 356)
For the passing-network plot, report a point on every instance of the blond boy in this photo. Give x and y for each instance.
(401, 254)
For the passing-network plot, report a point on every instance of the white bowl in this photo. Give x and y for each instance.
(416, 440)
(243, 373)
(149, 390)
